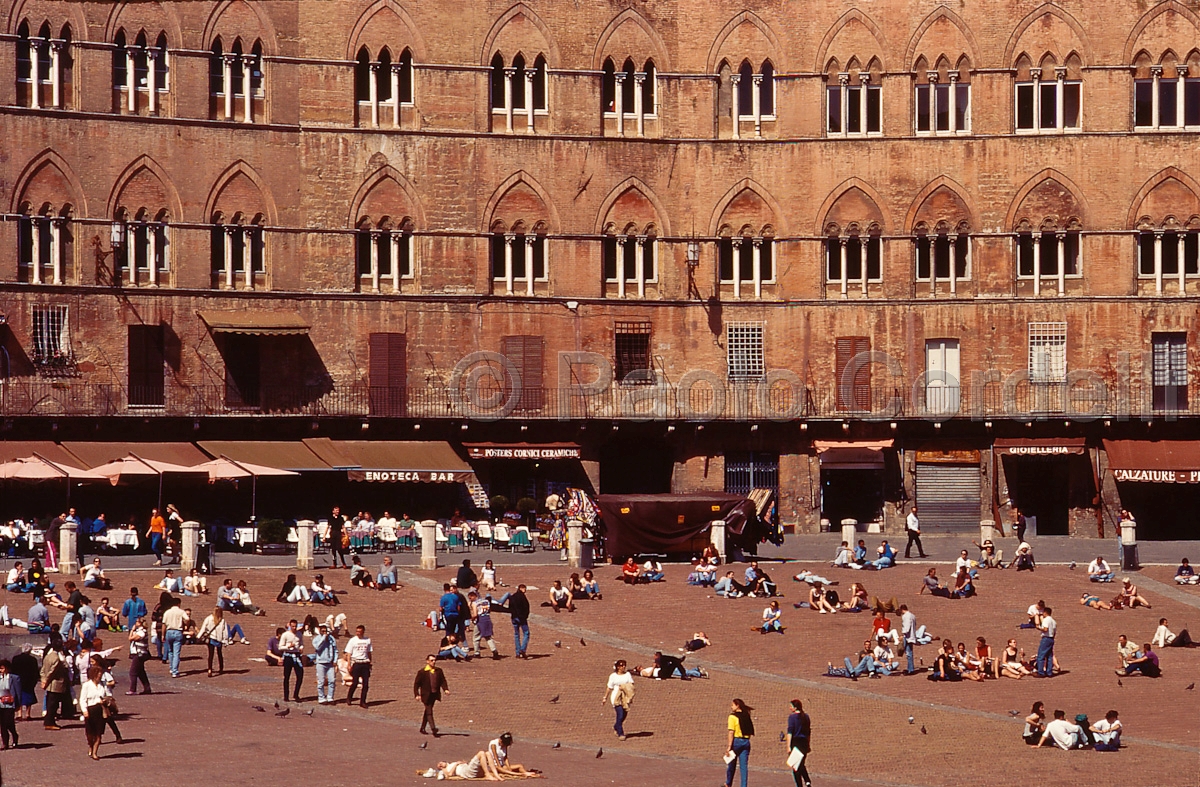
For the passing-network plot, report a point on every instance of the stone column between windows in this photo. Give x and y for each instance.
(508, 262)
(55, 77)
(639, 105)
(621, 241)
(395, 238)
(640, 266)
(844, 104)
(734, 81)
(1037, 258)
(56, 262)
(952, 125)
(756, 259)
(152, 253)
(395, 76)
(864, 79)
(1037, 104)
(1060, 76)
(247, 259)
(1156, 73)
(152, 56)
(227, 83)
(131, 252)
(229, 256)
(247, 69)
(374, 97)
(374, 236)
(528, 252)
(509, 73)
(862, 262)
(842, 260)
(35, 260)
(1179, 237)
(36, 73)
(619, 102)
(1181, 83)
(529, 75)
(932, 77)
(1060, 239)
(737, 267)
(756, 102)
(130, 80)
(1158, 271)
(932, 257)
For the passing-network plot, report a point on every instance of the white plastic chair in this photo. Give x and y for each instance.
(442, 538)
(483, 533)
(388, 537)
(501, 536)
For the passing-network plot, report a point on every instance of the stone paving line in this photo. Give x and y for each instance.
(557, 624)
(1171, 591)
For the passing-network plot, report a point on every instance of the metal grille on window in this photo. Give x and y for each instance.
(1048, 352)
(744, 350)
(632, 341)
(750, 470)
(1169, 371)
(52, 340)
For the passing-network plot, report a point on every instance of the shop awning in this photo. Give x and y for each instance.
(524, 450)
(640, 524)
(97, 454)
(862, 455)
(48, 449)
(1154, 461)
(258, 322)
(394, 460)
(283, 454)
(1021, 446)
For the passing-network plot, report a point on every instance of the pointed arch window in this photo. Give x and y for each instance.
(384, 254)
(746, 260)
(236, 82)
(1049, 98)
(1168, 253)
(519, 88)
(751, 94)
(45, 244)
(1167, 95)
(1048, 255)
(630, 95)
(854, 256)
(237, 250)
(143, 257)
(630, 259)
(943, 100)
(518, 258)
(382, 86)
(854, 105)
(943, 255)
(139, 72)
(44, 67)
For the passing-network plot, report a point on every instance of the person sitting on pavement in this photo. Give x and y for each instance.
(703, 573)
(931, 583)
(1088, 600)
(1064, 734)
(630, 573)
(886, 559)
(1163, 638)
(1099, 570)
(1035, 724)
(729, 587)
(170, 583)
(817, 601)
(885, 658)
(591, 586)
(758, 582)
(386, 579)
(857, 601)
(1185, 574)
(1107, 732)
(989, 556)
(863, 662)
(964, 585)
(451, 648)
(1012, 665)
(1034, 612)
(321, 593)
(195, 584)
(1131, 596)
(881, 626)
(698, 642)
(944, 666)
(575, 586)
(1023, 560)
(359, 575)
(964, 561)
(652, 571)
(860, 553)
(1126, 651)
(1145, 662)
(771, 616)
(242, 600)
(17, 581)
(560, 597)
(108, 616)
(93, 576)
(292, 592)
(844, 558)
(968, 666)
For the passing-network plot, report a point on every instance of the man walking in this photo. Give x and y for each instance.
(912, 526)
(518, 609)
(1022, 523)
(337, 527)
(428, 687)
(325, 659)
(1045, 654)
(908, 628)
(358, 651)
(173, 620)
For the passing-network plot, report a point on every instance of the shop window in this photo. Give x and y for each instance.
(1170, 371)
(853, 370)
(632, 340)
(146, 355)
(744, 351)
(388, 374)
(525, 355)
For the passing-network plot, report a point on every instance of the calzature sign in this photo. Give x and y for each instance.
(1159, 476)
(525, 452)
(410, 476)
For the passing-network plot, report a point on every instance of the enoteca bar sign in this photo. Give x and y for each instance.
(1159, 476)
(412, 476)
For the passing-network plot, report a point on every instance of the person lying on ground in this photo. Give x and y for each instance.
(666, 666)
(1131, 595)
(1062, 733)
(698, 642)
(1185, 574)
(729, 587)
(1145, 662)
(891, 605)
(478, 767)
(654, 672)
(1088, 600)
(812, 579)
(1099, 571)
(1163, 638)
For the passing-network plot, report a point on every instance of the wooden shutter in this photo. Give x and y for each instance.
(852, 394)
(388, 374)
(146, 387)
(525, 353)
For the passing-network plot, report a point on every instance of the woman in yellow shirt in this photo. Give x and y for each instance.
(741, 728)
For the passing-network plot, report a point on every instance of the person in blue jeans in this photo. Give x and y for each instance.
(517, 606)
(741, 729)
(325, 659)
(451, 608)
(173, 620)
(1045, 655)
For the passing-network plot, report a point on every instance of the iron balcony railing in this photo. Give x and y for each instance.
(706, 398)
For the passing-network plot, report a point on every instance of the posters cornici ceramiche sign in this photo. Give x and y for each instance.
(523, 452)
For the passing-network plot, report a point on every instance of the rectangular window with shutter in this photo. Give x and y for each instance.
(146, 353)
(853, 373)
(632, 341)
(1170, 372)
(388, 374)
(525, 354)
(744, 351)
(1048, 352)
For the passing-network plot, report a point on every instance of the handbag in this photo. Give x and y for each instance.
(345, 540)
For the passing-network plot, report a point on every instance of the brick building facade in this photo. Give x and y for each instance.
(715, 246)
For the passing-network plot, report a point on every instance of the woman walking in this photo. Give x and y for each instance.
(94, 697)
(741, 729)
(139, 654)
(10, 698)
(799, 730)
(216, 630)
(619, 694)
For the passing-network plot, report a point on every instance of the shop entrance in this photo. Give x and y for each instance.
(1040, 487)
(1163, 512)
(851, 494)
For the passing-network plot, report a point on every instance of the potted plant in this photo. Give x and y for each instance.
(272, 537)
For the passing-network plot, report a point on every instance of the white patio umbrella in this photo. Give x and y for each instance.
(225, 469)
(39, 468)
(134, 466)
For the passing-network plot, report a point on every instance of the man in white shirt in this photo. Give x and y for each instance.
(94, 576)
(292, 648)
(965, 562)
(358, 651)
(173, 620)
(912, 526)
(1098, 571)
(1045, 656)
(1065, 735)
(1107, 732)
(1126, 651)
(908, 629)
(16, 582)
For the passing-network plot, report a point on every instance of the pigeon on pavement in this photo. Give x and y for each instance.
(600, 753)
(1189, 687)
(555, 698)
(556, 745)
(923, 730)
(424, 744)
(259, 708)
(284, 712)
(581, 642)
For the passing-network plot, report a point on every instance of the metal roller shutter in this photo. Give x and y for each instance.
(948, 497)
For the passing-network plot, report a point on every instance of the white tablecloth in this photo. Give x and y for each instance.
(121, 538)
(241, 535)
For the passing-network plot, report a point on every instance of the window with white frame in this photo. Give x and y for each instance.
(943, 255)
(747, 260)
(518, 88)
(384, 254)
(943, 103)
(140, 73)
(382, 86)
(1166, 97)
(45, 67)
(1048, 352)
(144, 255)
(853, 257)
(1049, 107)
(1168, 254)
(235, 82)
(51, 329)
(629, 95)
(44, 245)
(518, 258)
(1169, 370)
(854, 105)
(1048, 254)
(630, 260)
(744, 351)
(237, 250)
